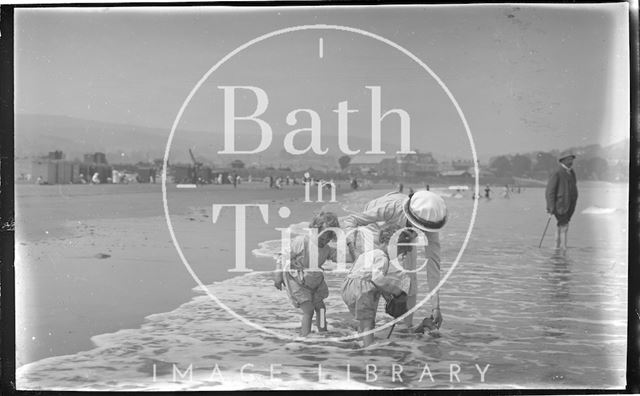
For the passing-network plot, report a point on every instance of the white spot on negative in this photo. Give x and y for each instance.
(284, 212)
(320, 48)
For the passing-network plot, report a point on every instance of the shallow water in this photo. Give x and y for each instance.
(537, 317)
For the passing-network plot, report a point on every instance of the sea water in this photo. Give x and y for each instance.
(515, 316)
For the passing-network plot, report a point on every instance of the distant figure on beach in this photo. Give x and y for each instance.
(219, 178)
(400, 187)
(96, 178)
(487, 192)
(305, 285)
(373, 275)
(506, 191)
(562, 195)
(279, 183)
(424, 211)
(354, 183)
(270, 181)
(426, 187)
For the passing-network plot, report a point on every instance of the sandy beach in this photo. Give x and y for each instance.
(95, 259)
(103, 288)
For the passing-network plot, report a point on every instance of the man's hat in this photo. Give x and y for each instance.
(566, 154)
(426, 211)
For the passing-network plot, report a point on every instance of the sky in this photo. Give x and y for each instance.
(525, 77)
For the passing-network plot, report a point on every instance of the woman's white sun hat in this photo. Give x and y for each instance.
(426, 211)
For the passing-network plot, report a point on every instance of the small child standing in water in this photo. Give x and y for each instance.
(371, 275)
(306, 287)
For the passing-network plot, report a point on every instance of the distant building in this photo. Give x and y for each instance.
(462, 164)
(95, 158)
(367, 163)
(418, 165)
(403, 165)
(182, 173)
(56, 155)
(54, 171)
(100, 158)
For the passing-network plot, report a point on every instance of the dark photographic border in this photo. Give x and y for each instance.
(7, 198)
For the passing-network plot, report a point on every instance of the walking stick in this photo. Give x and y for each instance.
(545, 230)
(391, 331)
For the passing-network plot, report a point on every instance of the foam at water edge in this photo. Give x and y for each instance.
(487, 320)
(596, 210)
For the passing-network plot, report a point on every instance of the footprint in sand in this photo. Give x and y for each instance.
(102, 256)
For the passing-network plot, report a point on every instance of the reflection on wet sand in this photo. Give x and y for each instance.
(536, 317)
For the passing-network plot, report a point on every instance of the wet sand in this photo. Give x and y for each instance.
(534, 318)
(95, 259)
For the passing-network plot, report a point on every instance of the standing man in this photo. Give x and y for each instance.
(424, 211)
(562, 195)
(236, 180)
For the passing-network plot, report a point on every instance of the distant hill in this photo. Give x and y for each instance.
(615, 151)
(593, 162)
(39, 134)
(618, 151)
